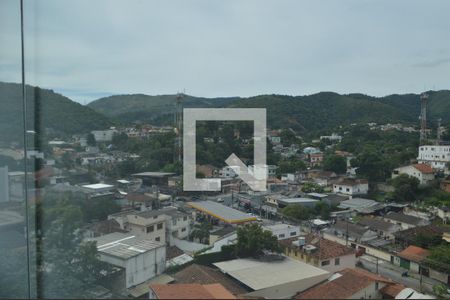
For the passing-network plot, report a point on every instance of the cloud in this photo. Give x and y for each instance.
(212, 48)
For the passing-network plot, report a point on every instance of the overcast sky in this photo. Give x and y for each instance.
(86, 49)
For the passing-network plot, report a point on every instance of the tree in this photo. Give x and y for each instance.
(90, 140)
(406, 188)
(371, 165)
(335, 163)
(252, 240)
(323, 210)
(290, 166)
(440, 290)
(310, 187)
(201, 232)
(439, 258)
(66, 264)
(297, 211)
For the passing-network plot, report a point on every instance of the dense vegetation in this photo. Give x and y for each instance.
(150, 109)
(306, 114)
(48, 112)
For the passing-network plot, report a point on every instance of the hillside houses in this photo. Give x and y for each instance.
(424, 173)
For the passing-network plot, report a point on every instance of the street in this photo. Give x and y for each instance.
(393, 272)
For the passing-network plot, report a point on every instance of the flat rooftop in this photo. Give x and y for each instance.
(123, 245)
(98, 186)
(297, 200)
(222, 212)
(153, 174)
(258, 274)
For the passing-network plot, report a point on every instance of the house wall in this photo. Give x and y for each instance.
(370, 292)
(138, 226)
(442, 277)
(368, 250)
(178, 227)
(284, 233)
(346, 261)
(145, 266)
(358, 189)
(413, 172)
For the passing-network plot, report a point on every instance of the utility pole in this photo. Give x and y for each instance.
(377, 265)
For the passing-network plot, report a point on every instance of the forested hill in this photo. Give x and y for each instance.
(51, 112)
(145, 108)
(321, 111)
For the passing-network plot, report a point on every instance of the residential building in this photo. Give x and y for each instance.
(334, 137)
(350, 232)
(351, 187)
(276, 278)
(228, 172)
(445, 184)
(316, 159)
(141, 259)
(361, 205)
(98, 191)
(200, 274)
(322, 253)
(189, 291)
(161, 225)
(348, 284)
(411, 258)
(103, 135)
(283, 231)
(383, 228)
(405, 221)
(434, 155)
(424, 173)
(307, 202)
(149, 179)
(444, 213)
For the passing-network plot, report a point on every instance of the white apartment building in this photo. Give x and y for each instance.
(283, 231)
(436, 156)
(163, 225)
(351, 187)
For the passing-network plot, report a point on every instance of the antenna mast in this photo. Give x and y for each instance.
(439, 132)
(423, 118)
(179, 126)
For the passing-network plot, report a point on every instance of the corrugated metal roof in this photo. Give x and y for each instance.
(123, 245)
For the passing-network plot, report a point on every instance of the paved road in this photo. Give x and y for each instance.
(393, 272)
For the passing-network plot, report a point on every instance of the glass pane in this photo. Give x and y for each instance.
(17, 159)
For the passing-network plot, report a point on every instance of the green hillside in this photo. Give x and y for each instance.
(49, 112)
(318, 112)
(145, 108)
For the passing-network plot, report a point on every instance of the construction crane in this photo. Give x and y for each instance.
(423, 118)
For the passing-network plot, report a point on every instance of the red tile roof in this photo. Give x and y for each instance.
(351, 282)
(191, 291)
(207, 275)
(414, 253)
(426, 169)
(392, 290)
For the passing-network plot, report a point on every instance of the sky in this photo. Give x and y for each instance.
(87, 49)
